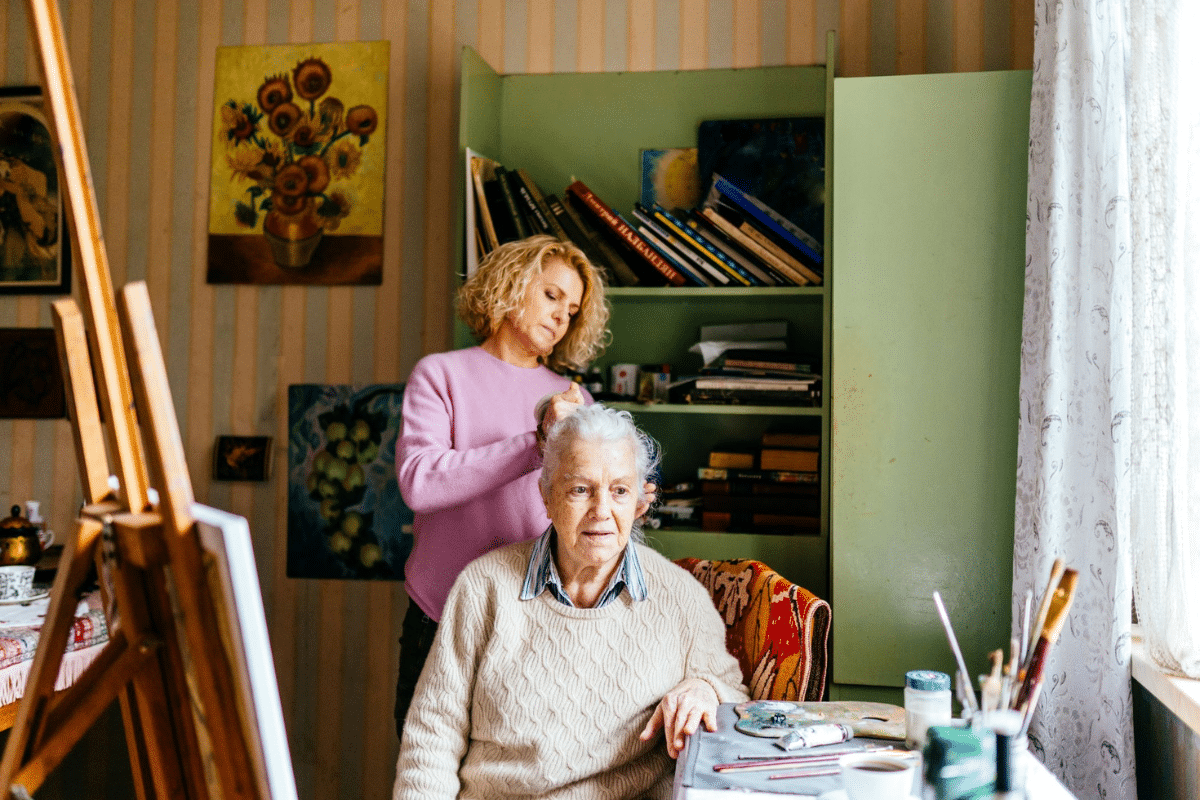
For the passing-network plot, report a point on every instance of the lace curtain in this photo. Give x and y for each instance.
(1108, 477)
(1165, 211)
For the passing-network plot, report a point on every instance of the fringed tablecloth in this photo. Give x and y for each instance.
(19, 629)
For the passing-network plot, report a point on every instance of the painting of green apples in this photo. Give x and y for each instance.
(346, 518)
(298, 154)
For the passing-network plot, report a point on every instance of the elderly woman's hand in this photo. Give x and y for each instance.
(680, 713)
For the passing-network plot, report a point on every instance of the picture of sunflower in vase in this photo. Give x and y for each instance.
(291, 163)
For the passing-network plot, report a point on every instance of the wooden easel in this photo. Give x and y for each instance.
(165, 660)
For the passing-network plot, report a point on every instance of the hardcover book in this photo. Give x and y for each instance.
(624, 233)
(766, 219)
(583, 218)
(734, 233)
(789, 460)
(730, 474)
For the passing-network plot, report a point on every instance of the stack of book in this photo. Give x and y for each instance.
(775, 489)
(750, 364)
(733, 239)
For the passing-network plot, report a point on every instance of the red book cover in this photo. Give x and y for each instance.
(625, 233)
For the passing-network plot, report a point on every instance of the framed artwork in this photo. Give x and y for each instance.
(298, 152)
(779, 161)
(34, 255)
(345, 515)
(242, 458)
(31, 384)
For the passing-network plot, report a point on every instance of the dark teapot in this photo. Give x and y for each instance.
(19, 542)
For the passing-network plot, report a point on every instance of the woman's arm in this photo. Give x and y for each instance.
(438, 726)
(433, 475)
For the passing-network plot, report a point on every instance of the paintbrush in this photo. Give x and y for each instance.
(1023, 637)
(1056, 573)
(966, 693)
(1056, 616)
(989, 691)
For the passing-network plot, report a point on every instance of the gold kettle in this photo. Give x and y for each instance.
(19, 541)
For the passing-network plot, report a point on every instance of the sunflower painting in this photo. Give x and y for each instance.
(297, 164)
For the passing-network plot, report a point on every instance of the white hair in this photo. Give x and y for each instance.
(597, 424)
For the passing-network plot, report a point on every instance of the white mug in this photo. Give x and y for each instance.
(877, 776)
(16, 582)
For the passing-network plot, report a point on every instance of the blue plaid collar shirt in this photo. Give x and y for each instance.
(542, 575)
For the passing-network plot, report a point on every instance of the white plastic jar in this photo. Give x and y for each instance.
(926, 702)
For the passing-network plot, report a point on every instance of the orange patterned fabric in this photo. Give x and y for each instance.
(778, 631)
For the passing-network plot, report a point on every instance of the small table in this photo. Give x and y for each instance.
(696, 780)
(20, 626)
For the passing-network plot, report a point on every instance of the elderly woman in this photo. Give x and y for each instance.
(559, 660)
(467, 459)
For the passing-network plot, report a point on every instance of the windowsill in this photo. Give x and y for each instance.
(1181, 696)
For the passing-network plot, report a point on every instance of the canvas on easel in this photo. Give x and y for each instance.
(185, 656)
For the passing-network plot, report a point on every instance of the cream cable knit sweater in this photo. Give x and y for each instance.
(536, 699)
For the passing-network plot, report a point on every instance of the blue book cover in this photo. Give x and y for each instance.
(764, 217)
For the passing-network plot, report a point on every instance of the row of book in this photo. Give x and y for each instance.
(732, 240)
(774, 488)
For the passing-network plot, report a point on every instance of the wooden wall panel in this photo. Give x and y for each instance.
(144, 72)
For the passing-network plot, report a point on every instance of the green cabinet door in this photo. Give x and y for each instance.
(929, 229)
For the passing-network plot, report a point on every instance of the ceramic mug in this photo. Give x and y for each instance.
(16, 582)
(877, 776)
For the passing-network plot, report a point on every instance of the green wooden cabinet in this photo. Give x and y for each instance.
(929, 228)
(592, 126)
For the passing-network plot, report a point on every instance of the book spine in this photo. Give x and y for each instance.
(672, 256)
(768, 244)
(759, 269)
(579, 238)
(771, 220)
(625, 233)
(538, 221)
(731, 230)
(706, 250)
(541, 208)
(620, 267)
(481, 206)
(510, 202)
(716, 277)
(738, 275)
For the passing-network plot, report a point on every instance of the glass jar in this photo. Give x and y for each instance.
(926, 703)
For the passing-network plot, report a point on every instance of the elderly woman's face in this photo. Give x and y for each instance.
(593, 501)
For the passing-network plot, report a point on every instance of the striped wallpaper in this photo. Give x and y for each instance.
(144, 75)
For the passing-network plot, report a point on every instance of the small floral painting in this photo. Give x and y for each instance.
(298, 164)
(346, 518)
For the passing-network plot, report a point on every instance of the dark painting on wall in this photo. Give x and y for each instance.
(242, 458)
(31, 385)
(34, 255)
(779, 161)
(345, 515)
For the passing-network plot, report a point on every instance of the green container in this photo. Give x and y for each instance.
(960, 763)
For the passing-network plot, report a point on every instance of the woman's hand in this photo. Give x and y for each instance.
(680, 713)
(562, 405)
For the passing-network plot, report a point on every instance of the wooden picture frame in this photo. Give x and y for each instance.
(35, 253)
(242, 458)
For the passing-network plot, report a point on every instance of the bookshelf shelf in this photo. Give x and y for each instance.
(716, 409)
(561, 127)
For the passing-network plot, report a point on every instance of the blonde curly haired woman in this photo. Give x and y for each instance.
(468, 457)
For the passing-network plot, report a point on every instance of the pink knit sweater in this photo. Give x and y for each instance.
(467, 464)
